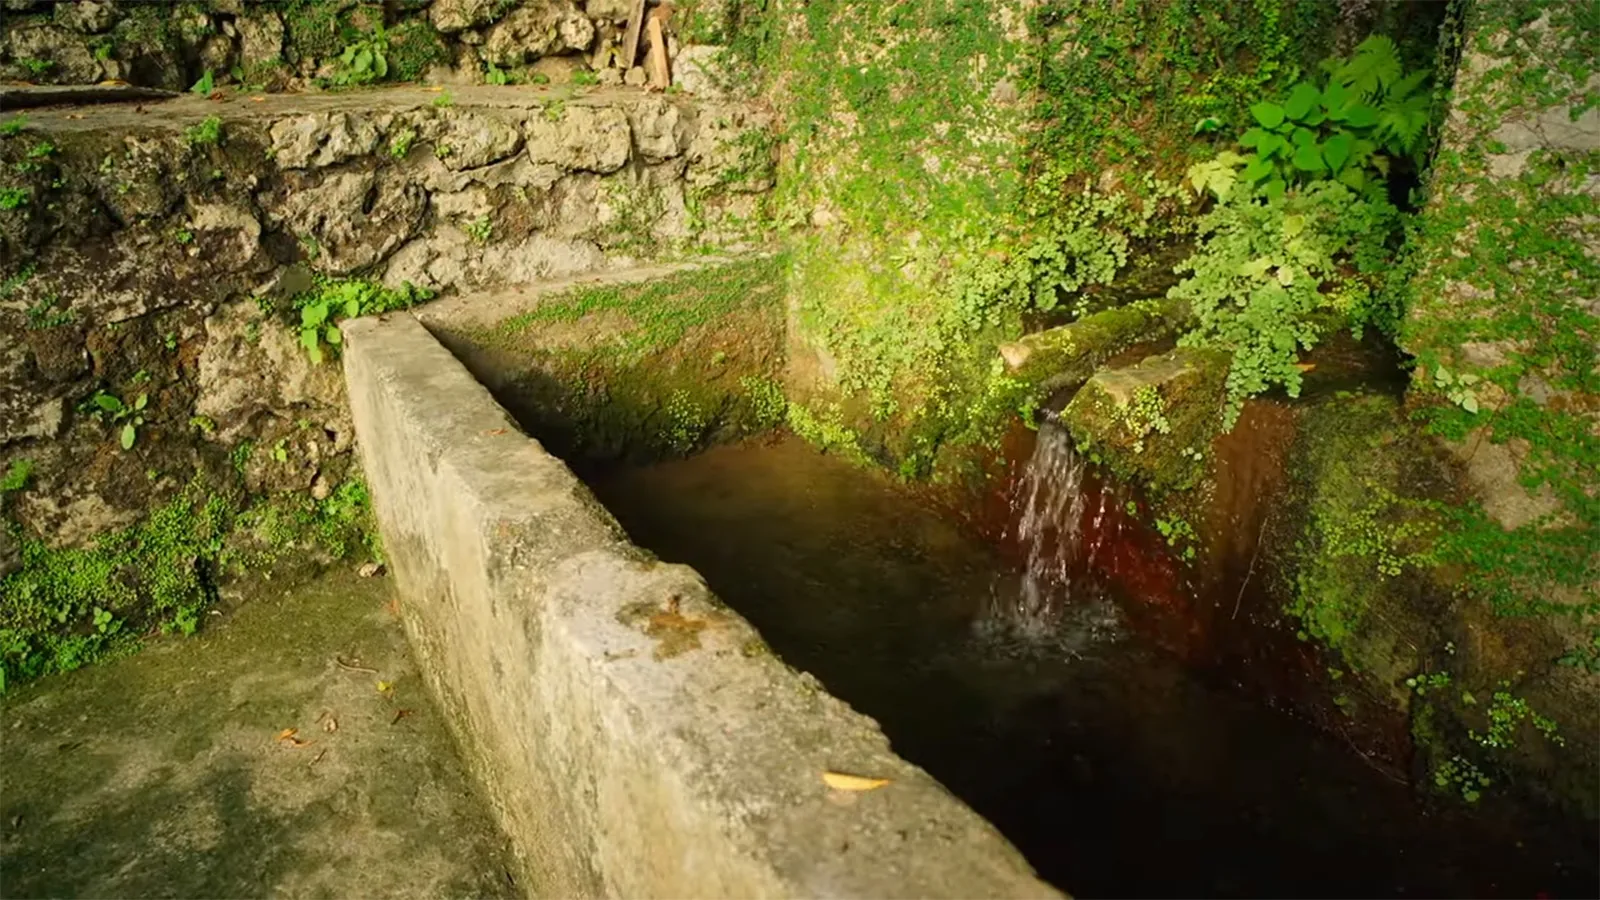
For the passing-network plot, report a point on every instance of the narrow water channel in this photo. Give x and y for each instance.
(1117, 770)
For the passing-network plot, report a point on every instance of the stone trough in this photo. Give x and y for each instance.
(634, 736)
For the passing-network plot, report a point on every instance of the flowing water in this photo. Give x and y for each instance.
(1116, 767)
(1053, 512)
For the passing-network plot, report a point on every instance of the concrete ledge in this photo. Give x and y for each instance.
(634, 736)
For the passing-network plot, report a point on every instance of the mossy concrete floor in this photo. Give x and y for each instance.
(168, 774)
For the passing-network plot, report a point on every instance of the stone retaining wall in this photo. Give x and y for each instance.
(157, 250)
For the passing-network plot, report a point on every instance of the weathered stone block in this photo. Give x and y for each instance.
(1154, 421)
(1060, 357)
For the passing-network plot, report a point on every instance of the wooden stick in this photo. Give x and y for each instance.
(656, 60)
(629, 51)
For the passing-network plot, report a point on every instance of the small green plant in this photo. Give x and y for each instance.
(47, 314)
(365, 60)
(1432, 681)
(496, 76)
(1178, 533)
(170, 341)
(442, 151)
(208, 132)
(280, 451)
(17, 476)
(239, 456)
(1458, 774)
(330, 301)
(401, 145)
(585, 78)
(768, 406)
(110, 408)
(37, 66)
(183, 236)
(34, 161)
(1144, 415)
(1458, 387)
(1585, 657)
(12, 198)
(10, 283)
(444, 100)
(686, 422)
(825, 431)
(14, 125)
(1506, 713)
(204, 424)
(204, 86)
(480, 229)
(539, 78)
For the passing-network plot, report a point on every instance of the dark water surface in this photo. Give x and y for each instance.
(1115, 769)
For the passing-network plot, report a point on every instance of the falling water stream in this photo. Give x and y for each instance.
(1051, 508)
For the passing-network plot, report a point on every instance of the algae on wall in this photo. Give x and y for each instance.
(1505, 329)
(637, 370)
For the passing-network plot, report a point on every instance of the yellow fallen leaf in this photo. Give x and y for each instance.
(842, 782)
(1305, 367)
(385, 688)
(286, 734)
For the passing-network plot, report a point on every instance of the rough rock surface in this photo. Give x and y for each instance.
(260, 38)
(1154, 421)
(592, 140)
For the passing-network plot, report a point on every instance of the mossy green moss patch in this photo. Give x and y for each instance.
(644, 370)
(66, 607)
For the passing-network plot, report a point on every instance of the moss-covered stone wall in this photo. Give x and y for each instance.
(956, 172)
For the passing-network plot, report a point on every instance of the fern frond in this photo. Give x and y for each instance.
(1374, 66)
(1403, 120)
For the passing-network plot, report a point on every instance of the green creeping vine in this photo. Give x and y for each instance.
(330, 301)
(1506, 340)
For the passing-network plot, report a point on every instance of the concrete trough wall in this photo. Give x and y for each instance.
(634, 736)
